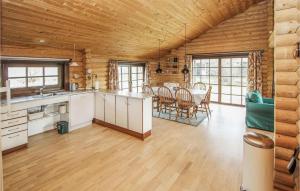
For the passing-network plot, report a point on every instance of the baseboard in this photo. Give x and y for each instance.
(80, 126)
(123, 130)
(14, 149)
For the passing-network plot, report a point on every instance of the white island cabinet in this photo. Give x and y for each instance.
(121, 111)
(110, 111)
(99, 106)
(81, 110)
(130, 113)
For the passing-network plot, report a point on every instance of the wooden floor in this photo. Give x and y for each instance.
(176, 157)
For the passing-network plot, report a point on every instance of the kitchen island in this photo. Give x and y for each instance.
(126, 112)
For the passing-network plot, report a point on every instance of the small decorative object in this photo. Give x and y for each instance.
(62, 109)
(297, 51)
(88, 71)
(91, 76)
(158, 70)
(97, 85)
(73, 62)
(185, 69)
(76, 76)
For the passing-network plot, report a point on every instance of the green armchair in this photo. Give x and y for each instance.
(260, 115)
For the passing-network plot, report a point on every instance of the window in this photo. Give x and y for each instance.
(131, 77)
(35, 76)
(206, 71)
(27, 78)
(226, 75)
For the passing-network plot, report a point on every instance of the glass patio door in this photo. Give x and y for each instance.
(234, 80)
(226, 75)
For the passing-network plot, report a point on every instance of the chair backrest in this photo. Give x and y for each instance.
(184, 97)
(165, 94)
(171, 84)
(199, 86)
(186, 85)
(207, 96)
(148, 90)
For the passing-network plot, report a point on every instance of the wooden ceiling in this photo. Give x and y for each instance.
(125, 28)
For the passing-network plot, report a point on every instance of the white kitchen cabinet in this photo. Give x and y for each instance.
(99, 106)
(13, 115)
(147, 114)
(14, 129)
(135, 115)
(110, 109)
(81, 110)
(121, 111)
(13, 140)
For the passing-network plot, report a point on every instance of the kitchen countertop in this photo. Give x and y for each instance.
(68, 93)
(126, 94)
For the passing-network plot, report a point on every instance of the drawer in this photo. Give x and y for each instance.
(14, 114)
(13, 122)
(13, 129)
(14, 140)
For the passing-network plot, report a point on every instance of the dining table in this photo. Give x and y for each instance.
(198, 95)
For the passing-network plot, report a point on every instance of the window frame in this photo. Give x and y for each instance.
(130, 73)
(25, 91)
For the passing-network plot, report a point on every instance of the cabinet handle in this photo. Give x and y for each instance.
(13, 129)
(13, 115)
(14, 136)
(12, 122)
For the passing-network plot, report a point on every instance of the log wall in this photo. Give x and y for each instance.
(246, 31)
(287, 85)
(99, 66)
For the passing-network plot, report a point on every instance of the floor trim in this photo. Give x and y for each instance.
(123, 130)
(14, 149)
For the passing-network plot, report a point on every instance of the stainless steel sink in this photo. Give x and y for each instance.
(43, 95)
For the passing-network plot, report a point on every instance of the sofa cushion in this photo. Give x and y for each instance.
(255, 97)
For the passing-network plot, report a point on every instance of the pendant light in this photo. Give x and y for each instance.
(73, 62)
(185, 69)
(158, 70)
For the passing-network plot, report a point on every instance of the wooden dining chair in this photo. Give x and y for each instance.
(147, 89)
(204, 105)
(166, 100)
(199, 86)
(185, 103)
(186, 85)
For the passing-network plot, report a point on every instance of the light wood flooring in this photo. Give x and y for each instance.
(175, 157)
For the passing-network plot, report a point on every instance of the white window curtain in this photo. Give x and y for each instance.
(147, 80)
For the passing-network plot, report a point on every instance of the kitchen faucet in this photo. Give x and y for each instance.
(41, 90)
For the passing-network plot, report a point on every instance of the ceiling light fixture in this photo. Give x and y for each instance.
(158, 70)
(185, 69)
(73, 62)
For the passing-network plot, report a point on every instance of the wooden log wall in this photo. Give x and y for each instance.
(287, 86)
(48, 52)
(99, 66)
(247, 31)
